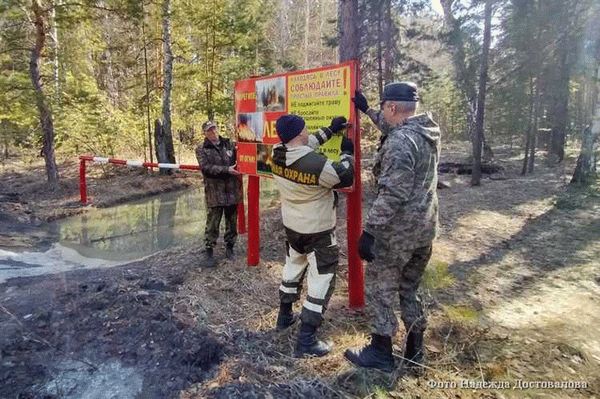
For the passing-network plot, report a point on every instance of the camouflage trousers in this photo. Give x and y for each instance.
(213, 222)
(317, 256)
(396, 273)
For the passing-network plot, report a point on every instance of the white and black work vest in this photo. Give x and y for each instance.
(306, 180)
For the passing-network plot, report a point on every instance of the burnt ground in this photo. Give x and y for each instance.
(512, 294)
(64, 331)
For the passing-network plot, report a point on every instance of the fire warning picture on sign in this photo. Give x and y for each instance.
(318, 95)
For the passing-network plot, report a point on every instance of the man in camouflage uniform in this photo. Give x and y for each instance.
(401, 225)
(222, 189)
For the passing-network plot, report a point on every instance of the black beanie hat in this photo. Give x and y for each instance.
(400, 91)
(288, 127)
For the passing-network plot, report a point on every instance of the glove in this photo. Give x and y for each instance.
(365, 246)
(347, 146)
(337, 124)
(360, 101)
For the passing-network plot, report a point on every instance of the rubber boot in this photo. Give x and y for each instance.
(286, 317)
(414, 353)
(376, 355)
(209, 259)
(308, 344)
(229, 254)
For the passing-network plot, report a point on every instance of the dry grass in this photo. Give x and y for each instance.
(489, 233)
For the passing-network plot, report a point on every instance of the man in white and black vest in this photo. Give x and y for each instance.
(306, 181)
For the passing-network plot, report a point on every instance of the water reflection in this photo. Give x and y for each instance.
(141, 228)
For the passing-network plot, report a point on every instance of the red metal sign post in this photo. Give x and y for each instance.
(356, 281)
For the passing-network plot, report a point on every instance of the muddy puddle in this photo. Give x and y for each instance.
(113, 236)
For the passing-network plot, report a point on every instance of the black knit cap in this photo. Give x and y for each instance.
(400, 91)
(288, 127)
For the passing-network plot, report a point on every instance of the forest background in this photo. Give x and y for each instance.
(102, 76)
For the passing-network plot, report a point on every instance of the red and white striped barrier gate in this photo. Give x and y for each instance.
(140, 164)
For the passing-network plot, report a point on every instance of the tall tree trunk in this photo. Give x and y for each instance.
(284, 35)
(147, 82)
(211, 85)
(40, 97)
(4, 133)
(529, 127)
(390, 45)
(167, 86)
(483, 76)
(6, 151)
(207, 98)
(55, 48)
(159, 141)
(464, 79)
(560, 104)
(349, 42)
(158, 71)
(306, 31)
(585, 172)
(534, 127)
(162, 146)
(527, 146)
(107, 74)
(320, 31)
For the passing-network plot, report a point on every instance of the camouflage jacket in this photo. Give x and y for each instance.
(405, 213)
(220, 187)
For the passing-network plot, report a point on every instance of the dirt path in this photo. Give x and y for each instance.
(528, 256)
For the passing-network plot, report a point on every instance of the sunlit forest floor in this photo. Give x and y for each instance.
(512, 293)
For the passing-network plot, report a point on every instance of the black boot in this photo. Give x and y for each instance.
(308, 344)
(376, 355)
(209, 259)
(229, 254)
(286, 317)
(414, 353)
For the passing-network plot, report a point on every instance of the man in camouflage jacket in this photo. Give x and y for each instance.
(401, 225)
(222, 189)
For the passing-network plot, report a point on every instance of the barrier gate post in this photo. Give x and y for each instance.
(82, 182)
(253, 220)
(241, 215)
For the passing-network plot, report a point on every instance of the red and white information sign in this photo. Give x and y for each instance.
(318, 95)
